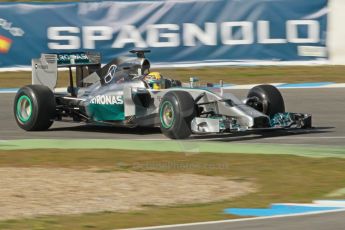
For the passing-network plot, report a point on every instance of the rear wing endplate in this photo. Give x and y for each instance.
(44, 69)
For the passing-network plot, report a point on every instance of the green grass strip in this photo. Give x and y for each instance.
(188, 147)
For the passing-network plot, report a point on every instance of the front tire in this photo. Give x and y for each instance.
(34, 108)
(267, 99)
(176, 111)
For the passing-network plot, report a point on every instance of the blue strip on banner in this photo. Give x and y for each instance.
(9, 90)
(277, 210)
(305, 85)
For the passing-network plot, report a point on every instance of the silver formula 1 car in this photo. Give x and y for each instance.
(125, 93)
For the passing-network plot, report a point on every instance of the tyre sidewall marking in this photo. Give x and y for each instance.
(19, 112)
(167, 103)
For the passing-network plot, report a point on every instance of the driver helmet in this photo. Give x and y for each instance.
(154, 80)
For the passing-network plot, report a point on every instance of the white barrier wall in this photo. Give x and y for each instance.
(336, 32)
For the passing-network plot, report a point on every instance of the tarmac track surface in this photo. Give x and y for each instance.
(326, 105)
(329, 221)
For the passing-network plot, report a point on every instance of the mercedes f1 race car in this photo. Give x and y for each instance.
(125, 93)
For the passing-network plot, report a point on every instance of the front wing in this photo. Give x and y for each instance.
(278, 121)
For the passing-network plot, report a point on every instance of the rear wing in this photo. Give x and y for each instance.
(45, 68)
(77, 59)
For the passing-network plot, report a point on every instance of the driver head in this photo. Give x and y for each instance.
(154, 80)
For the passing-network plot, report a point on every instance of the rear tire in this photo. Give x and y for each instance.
(270, 100)
(34, 108)
(176, 111)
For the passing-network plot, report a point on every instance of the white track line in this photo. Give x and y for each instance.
(233, 87)
(335, 85)
(236, 220)
(264, 138)
(330, 203)
(299, 137)
(249, 86)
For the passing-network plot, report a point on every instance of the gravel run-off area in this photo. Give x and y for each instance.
(28, 192)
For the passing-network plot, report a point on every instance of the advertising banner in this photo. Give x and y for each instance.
(177, 32)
